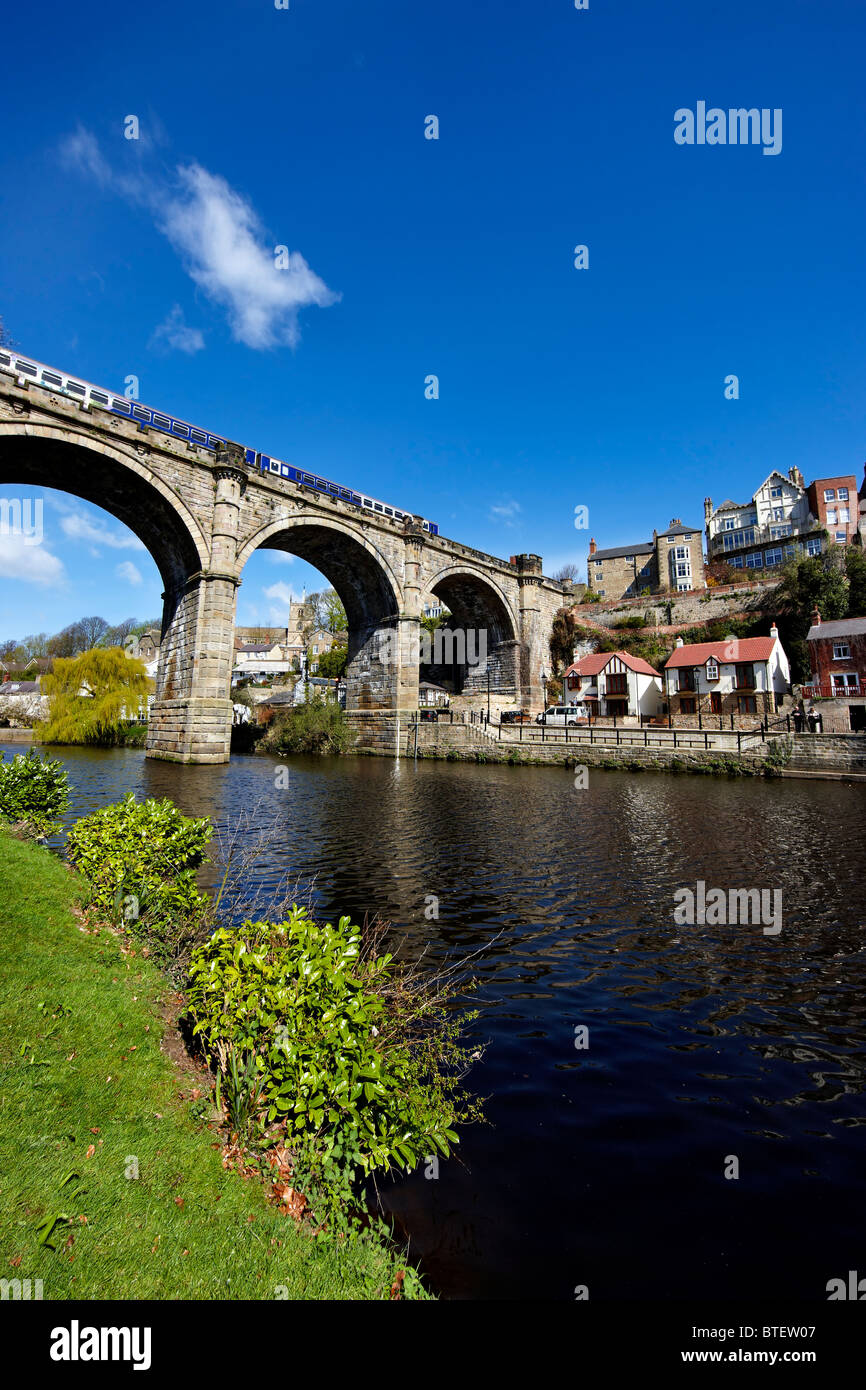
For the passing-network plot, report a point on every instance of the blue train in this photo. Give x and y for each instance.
(30, 370)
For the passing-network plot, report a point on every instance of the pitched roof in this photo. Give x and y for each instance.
(641, 548)
(594, 663)
(840, 627)
(728, 650)
(680, 530)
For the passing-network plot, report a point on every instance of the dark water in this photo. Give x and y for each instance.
(604, 1167)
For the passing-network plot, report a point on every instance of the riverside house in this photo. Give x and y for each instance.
(613, 683)
(837, 655)
(736, 678)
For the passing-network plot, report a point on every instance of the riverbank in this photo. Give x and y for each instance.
(112, 1183)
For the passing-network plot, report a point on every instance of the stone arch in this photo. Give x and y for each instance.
(369, 590)
(114, 479)
(477, 604)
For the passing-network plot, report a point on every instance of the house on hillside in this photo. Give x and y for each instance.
(837, 655)
(671, 562)
(774, 526)
(613, 683)
(736, 676)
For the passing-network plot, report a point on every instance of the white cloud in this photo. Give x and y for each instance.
(222, 243)
(80, 152)
(279, 557)
(128, 571)
(79, 527)
(221, 240)
(504, 511)
(32, 563)
(174, 332)
(281, 597)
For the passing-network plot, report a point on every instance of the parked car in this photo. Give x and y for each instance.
(561, 715)
(515, 716)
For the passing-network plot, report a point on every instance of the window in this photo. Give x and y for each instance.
(683, 571)
(778, 513)
(777, 532)
(746, 676)
(712, 670)
(829, 494)
(728, 542)
(686, 538)
(773, 557)
(841, 651)
(748, 536)
(841, 537)
(747, 704)
(729, 523)
(616, 684)
(737, 562)
(842, 494)
(813, 547)
(845, 681)
(755, 561)
(629, 559)
(682, 553)
(775, 492)
(831, 516)
(716, 702)
(844, 515)
(688, 704)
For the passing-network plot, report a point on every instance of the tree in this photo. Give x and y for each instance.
(328, 611)
(855, 569)
(566, 573)
(92, 696)
(116, 635)
(332, 664)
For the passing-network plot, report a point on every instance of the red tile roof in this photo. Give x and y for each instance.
(596, 662)
(729, 649)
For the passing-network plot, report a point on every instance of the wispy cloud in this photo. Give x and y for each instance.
(505, 511)
(221, 241)
(33, 563)
(174, 332)
(128, 572)
(279, 557)
(281, 597)
(80, 528)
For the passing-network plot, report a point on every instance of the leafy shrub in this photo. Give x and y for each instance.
(636, 620)
(360, 1065)
(34, 793)
(140, 859)
(315, 727)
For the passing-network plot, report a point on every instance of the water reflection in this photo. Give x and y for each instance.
(603, 1166)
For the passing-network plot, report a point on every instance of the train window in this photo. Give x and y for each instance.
(398, 515)
(198, 435)
(215, 442)
(322, 484)
(308, 478)
(367, 502)
(388, 511)
(140, 412)
(26, 367)
(52, 379)
(378, 506)
(356, 499)
(333, 489)
(76, 387)
(5, 359)
(163, 421)
(100, 397)
(284, 470)
(122, 405)
(249, 457)
(178, 428)
(345, 494)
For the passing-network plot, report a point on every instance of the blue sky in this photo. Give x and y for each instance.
(558, 387)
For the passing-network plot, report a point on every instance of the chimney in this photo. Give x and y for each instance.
(796, 476)
(675, 521)
(708, 509)
(592, 545)
(774, 632)
(680, 642)
(816, 618)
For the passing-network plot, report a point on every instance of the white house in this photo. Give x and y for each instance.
(739, 676)
(613, 683)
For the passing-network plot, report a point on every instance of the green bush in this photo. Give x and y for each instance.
(34, 793)
(361, 1067)
(636, 620)
(315, 727)
(140, 860)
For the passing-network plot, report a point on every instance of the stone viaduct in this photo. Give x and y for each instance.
(201, 516)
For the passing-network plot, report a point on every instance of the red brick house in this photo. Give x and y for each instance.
(837, 652)
(835, 503)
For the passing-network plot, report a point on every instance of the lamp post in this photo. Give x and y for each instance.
(543, 688)
(488, 692)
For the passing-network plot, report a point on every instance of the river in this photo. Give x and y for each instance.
(601, 1166)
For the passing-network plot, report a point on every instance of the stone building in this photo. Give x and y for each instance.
(744, 678)
(672, 562)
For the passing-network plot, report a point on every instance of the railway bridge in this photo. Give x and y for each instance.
(201, 516)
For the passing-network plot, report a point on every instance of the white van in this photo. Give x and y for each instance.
(560, 715)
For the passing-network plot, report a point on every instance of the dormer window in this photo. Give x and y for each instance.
(712, 669)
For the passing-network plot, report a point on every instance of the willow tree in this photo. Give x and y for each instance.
(92, 696)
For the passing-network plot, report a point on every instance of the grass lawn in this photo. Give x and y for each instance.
(86, 1091)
